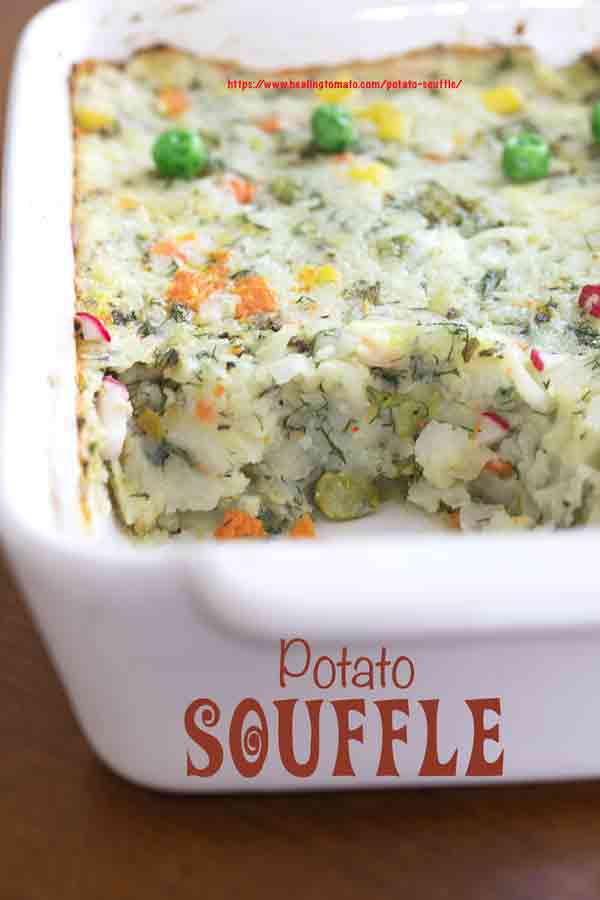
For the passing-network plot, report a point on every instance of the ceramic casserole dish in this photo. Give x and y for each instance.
(414, 657)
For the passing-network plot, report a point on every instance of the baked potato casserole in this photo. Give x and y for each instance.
(295, 303)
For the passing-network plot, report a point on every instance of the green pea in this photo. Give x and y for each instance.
(526, 157)
(342, 497)
(332, 128)
(596, 121)
(179, 153)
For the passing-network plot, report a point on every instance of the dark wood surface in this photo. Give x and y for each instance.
(70, 830)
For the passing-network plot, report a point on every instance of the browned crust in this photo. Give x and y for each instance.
(80, 68)
(392, 63)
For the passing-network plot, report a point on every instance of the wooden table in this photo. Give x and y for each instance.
(69, 830)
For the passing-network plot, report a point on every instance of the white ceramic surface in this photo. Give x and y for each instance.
(138, 634)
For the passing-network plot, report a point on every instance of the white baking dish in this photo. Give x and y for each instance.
(138, 634)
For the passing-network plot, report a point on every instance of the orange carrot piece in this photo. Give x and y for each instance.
(168, 248)
(454, 519)
(270, 125)
(243, 189)
(174, 102)
(218, 262)
(239, 524)
(219, 390)
(193, 288)
(255, 297)
(206, 412)
(499, 467)
(304, 527)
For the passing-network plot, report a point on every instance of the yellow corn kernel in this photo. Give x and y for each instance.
(150, 423)
(91, 120)
(391, 124)
(128, 203)
(311, 276)
(374, 172)
(333, 95)
(503, 100)
(186, 236)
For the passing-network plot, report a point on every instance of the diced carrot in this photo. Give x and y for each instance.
(304, 527)
(243, 189)
(270, 125)
(239, 524)
(219, 390)
(499, 467)
(435, 157)
(219, 260)
(193, 288)
(206, 412)
(342, 157)
(168, 248)
(454, 519)
(174, 102)
(255, 297)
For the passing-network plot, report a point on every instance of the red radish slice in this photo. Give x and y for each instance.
(494, 417)
(589, 299)
(109, 380)
(114, 410)
(536, 360)
(492, 428)
(92, 328)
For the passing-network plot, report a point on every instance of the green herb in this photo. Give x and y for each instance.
(146, 329)
(471, 345)
(166, 359)
(586, 337)
(121, 318)
(506, 61)
(395, 246)
(440, 207)
(364, 291)
(383, 400)
(544, 313)
(210, 138)
(159, 453)
(286, 190)
(334, 448)
(180, 313)
(299, 345)
(490, 282)
(307, 228)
